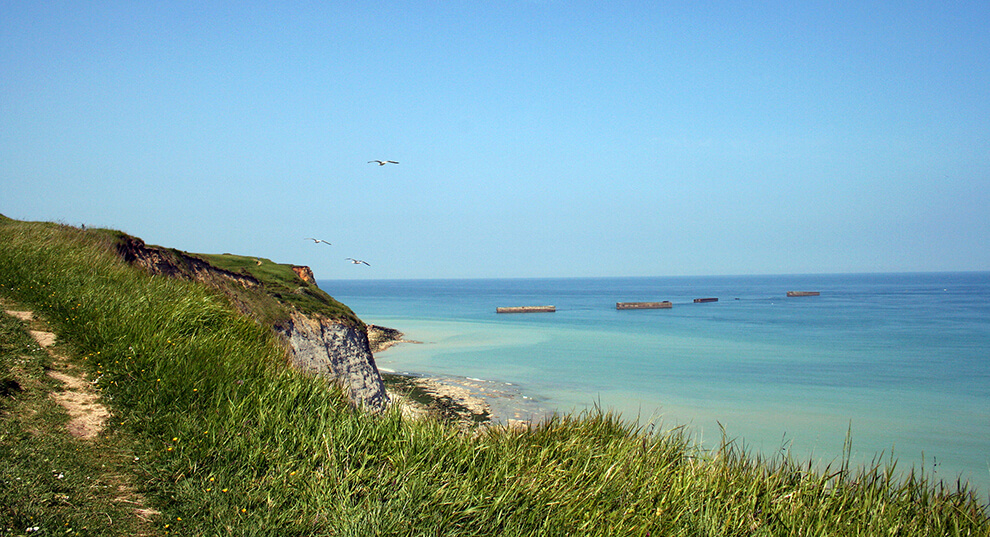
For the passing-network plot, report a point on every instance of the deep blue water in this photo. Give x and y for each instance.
(902, 361)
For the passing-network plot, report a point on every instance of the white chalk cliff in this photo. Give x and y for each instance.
(338, 351)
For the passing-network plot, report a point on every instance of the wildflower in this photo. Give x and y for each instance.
(224, 490)
(243, 510)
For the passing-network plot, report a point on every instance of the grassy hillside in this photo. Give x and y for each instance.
(280, 281)
(212, 429)
(265, 290)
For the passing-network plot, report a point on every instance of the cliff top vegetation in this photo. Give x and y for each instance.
(261, 288)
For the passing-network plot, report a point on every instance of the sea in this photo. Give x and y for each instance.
(884, 367)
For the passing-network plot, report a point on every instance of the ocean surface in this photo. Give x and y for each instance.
(900, 362)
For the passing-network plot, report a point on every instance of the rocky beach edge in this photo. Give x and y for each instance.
(469, 402)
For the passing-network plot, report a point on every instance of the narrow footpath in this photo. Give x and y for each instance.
(98, 465)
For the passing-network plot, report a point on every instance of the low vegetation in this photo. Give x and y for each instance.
(282, 284)
(211, 433)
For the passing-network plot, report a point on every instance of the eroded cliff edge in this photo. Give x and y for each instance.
(337, 351)
(321, 335)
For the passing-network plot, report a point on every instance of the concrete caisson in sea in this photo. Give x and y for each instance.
(666, 304)
(526, 309)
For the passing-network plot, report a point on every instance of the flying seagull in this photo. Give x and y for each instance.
(316, 241)
(358, 261)
(383, 162)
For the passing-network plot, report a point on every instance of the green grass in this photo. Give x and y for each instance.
(230, 441)
(49, 480)
(282, 283)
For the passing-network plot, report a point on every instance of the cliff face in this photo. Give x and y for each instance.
(338, 351)
(304, 273)
(335, 348)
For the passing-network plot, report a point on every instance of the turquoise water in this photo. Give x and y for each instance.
(900, 360)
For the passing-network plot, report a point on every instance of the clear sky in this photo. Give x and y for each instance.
(535, 138)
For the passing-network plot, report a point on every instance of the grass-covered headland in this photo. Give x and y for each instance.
(211, 433)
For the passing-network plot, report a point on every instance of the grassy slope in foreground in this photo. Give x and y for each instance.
(228, 440)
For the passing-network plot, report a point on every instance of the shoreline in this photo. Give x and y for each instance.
(467, 401)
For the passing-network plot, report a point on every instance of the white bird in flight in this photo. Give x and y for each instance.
(316, 241)
(383, 162)
(358, 261)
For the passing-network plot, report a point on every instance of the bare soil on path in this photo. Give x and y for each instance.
(87, 415)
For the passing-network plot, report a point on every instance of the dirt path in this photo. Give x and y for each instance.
(87, 415)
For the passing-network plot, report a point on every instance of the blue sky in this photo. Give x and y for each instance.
(535, 138)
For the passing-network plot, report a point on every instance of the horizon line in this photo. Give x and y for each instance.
(751, 275)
